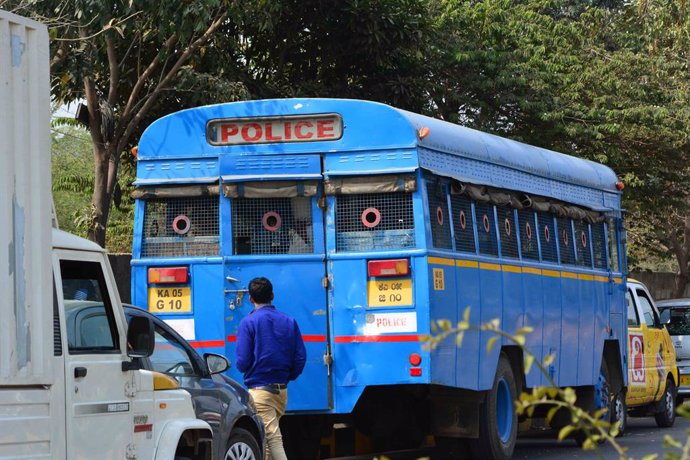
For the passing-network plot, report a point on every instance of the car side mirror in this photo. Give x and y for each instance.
(216, 363)
(140, 337)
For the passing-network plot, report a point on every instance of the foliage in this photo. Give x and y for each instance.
(73, 166)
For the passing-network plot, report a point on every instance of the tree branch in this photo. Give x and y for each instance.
(114, 70)
(131, 123)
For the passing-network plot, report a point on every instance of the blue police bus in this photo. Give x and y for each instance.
(373, 223)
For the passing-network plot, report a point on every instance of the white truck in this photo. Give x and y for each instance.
(68, 388)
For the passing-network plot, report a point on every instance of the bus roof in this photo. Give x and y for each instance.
(371, 126)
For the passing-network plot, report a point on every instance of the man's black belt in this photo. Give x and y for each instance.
(272, 387)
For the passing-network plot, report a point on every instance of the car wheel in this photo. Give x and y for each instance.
(619, 412)
(667, 415)
(242, 446)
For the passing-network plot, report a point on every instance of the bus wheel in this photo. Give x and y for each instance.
(667, 416)
(497, 417)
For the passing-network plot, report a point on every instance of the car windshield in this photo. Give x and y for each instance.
(677, 320)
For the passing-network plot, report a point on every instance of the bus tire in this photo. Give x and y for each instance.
(667, 415)
(498, 417)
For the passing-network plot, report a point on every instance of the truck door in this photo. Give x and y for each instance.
(98, 413)
(277, 233)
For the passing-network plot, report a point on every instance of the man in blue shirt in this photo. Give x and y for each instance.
(270, 353)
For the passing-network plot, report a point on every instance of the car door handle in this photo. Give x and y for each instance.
(79, 372)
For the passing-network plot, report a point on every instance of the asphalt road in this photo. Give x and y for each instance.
(642, 438)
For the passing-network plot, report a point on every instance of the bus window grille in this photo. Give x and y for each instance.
(614, 265)
(272, 226)
(181, 227)
(508, 231)
(486, 230)
(463, 223)
(528, 235)
(565, 241)
(599, 245)
(370, 221)
(438, 215)
(547, 238)
(583, 244)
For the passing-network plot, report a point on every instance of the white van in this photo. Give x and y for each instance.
(68, 388)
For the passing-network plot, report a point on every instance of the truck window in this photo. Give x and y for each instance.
(650, 317)
(633, 319)
(88, 312)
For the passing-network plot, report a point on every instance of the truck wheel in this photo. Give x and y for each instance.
(667, 416)
(497, 417)
(242, 446)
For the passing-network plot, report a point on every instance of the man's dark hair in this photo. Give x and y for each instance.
(261, 290)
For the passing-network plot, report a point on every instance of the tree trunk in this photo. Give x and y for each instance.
(99, 201)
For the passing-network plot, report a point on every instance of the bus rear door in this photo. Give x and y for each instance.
(277, 232)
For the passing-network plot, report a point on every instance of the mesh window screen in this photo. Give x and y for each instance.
(547, 238)
(599, 245)
(374, 221)
(528, 235)
(583, 244)
(438, 214)
(463, 223)
(508, 232)
(613, 246)
(565, 241)
(181, 227)
(272, 226)
(486, 229)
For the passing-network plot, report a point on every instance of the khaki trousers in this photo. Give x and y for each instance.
(270, 407)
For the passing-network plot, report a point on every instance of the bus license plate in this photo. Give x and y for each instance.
(170, 299)
(390, 293)
(684, 380)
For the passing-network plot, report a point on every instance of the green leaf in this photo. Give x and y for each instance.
(565, 432)
(491, 342)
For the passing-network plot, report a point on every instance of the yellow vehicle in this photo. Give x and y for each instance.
(652, 371)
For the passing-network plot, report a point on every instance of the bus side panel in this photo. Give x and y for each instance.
(467, 364)
(570, 322)
(601, 314)
(443, 306)
(139, 283)
(513, 307)
(552, 322)
(589, 323)
(490, 281)
(534, 318)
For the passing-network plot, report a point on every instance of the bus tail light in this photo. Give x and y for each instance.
(392, 267)
(415, 359)
(168, 275)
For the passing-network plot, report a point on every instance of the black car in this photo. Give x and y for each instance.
(238, 433)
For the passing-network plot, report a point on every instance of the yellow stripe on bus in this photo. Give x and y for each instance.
(551, 273)
(467, 263)
(512, 269)
(517, 269)
(441, 261)
(486, 266)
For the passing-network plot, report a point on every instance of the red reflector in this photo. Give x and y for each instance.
(416, 371)
(393, 267)
(168, 275)
(415, 359)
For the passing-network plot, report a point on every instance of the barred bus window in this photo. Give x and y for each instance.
(365, 222)
(181, 227)
(583, 244)
(486, 230)
(547, 237)
(565, 241)
(438, 215)
(272, 226)
(508, 231)
(528, 235)
(463, 223)
(613, 246)
(599, 245)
